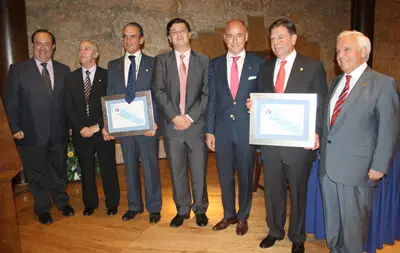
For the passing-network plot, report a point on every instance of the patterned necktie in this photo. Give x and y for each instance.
(46, 77)
(234, 77)
(131, 86)
(87, 87)
(342, 98)
(280, 79)
(182, 85)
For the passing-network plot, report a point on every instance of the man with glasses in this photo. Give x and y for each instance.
(181, 91)
(134, 69)
(34, 103)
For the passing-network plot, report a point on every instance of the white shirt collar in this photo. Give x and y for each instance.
(242, 55)
(290, 58)
(357, 72)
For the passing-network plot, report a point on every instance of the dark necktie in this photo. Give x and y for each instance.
(342, 98)
(46, 77)
(87, 87)
(131, 86)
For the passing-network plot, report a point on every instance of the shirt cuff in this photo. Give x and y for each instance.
(187, 115)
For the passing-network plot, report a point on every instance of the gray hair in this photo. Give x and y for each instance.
(94, 45)
(362, 41)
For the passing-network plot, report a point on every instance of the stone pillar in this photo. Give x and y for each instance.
(13, 43)
(363, 20)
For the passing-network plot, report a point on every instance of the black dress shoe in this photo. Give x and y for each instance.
(201, 219)
(112, 211)
(155, 218)
(88, 211)
(298, 247)
(45, 218)
(68, 211)
(177, 221)
(268, 241)
(129, 215)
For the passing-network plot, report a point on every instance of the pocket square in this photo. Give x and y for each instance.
(252, 77)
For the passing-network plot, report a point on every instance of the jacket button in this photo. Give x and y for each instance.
(329, 141)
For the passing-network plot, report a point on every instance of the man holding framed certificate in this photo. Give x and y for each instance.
(126, 75)
(290, 72)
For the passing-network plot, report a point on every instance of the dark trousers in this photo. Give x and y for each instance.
(135, 148)
(45, 170)
(276, 178)
(181, 152)
(232, 154)
(85, 149)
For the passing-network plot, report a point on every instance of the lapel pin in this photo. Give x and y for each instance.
(99, 80)
(250, 67)
(147, 70)
(301, 69)
(364, 84)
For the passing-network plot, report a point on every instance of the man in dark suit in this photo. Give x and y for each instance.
(35, 106)
(181, 91)
(232, 77)
(84, 87)
(360, 132)
(139, 147)
(290, 72)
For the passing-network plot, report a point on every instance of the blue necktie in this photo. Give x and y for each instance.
(131, 86)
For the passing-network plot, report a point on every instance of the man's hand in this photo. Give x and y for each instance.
(19, 135)
(86, 132)
(181, 122)
(106, 136)
(210, 140)
(375, 175)
(151, 133)
(94, 129)
(249, 104)
(316, 143)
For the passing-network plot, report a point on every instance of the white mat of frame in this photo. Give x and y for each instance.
(120, 159)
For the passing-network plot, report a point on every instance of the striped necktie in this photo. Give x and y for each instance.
(342, 98)
(87, 87)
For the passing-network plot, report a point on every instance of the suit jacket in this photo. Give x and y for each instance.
(75, 99)
(166, 91)
(365, 132)
(31, 109)
(116, 82)
(223, 111)
(306, 76)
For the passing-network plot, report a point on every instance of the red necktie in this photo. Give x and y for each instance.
(234, 77)
(342, 98)
(280, 79)
(182, 85)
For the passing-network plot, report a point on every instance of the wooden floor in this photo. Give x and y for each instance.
(102, 234)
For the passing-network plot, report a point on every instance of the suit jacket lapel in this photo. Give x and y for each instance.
(244, 75)
(192, 75)
(143, 68)
(95, 84)
(294, 74)
(270, 76)
(173, 68)
(357, 90)
(223, 72)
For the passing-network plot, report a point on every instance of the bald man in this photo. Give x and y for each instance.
(227, 124)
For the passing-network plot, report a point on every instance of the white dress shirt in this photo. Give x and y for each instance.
(127, 63)
(239, 62)
(92, 71)
(288, 67)
(355, 75)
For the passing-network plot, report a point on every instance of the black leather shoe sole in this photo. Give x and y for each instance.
(155, 218)
(268, 241)
(88, 211)
(177, 221)
(68, 211)
(201, 220)
(45, 219)
(129, 215)
(112, 211)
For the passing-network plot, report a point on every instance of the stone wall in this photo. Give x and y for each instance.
(318, 24)
(102, 21)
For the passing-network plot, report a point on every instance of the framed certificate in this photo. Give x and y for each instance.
(123, 119)
(280, 119)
